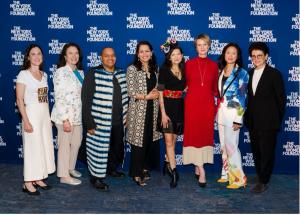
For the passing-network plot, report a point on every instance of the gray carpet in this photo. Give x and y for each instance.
(126, 197)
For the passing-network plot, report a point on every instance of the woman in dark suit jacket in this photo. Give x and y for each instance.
(264, 113)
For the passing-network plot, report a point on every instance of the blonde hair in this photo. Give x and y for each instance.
(204, 37)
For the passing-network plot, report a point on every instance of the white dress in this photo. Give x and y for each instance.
(38, 146)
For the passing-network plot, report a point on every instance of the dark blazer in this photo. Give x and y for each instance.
(265, 109)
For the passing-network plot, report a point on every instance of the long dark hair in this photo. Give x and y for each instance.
(167, 64)
(152, 62)
(62, 60)
(26, 62)
(239, 61)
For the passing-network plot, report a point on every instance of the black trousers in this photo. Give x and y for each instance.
(116, 148)
(263, 144)
(140, 158)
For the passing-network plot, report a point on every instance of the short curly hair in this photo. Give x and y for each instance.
(258, 46)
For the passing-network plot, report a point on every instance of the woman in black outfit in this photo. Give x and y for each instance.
(171, 85)
(142, 111)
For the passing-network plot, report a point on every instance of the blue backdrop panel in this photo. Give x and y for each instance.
(94, 24)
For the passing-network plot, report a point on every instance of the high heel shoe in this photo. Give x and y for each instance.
(175, 178)
(35, 193)
(202, 184)
(139, 181)
(167, 168)
(146, 175)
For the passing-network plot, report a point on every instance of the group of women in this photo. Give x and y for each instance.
(177, 98)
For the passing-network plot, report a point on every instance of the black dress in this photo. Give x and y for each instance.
(174, 107)
(141, 156)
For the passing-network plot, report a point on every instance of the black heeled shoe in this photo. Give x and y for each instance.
(175, 178)
(167, 168)
(47, 187)
(25, 190)
(202, 184)
(139, 181)
(197, 176)
(146, 175)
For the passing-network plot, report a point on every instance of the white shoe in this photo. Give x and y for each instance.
(75, 173)
(70, 181)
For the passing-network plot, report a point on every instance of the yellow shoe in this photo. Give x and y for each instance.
(235, 186)
(222, 180)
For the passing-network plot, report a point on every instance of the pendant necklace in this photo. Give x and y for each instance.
(202, 74)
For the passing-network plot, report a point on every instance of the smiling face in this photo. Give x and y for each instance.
(231, 55)
(176, 57)
(258, 58)
(108, 58)
(35, 57)
(72, 56)
(144, 53)
(202, 47)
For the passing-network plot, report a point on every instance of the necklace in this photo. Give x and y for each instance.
(202, 74)
(176, 72)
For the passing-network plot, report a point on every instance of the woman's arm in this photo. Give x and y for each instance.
(20, 91)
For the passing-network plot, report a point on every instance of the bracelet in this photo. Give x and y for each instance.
(144, 97)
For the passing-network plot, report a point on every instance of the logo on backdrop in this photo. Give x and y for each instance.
(248, 160)
(291, 149)
(1, 120)
(292, 124)
(296, 21)
(2, 142)
(131, 46)
(186, 58)
(17, 58)
(135, 21)
(57, 22)
(176, 8)
(19, 34)
(259, 35)
(55, 46)
(295, 48)
(294, 74)
(96, 9)
(180, 34)
(18, 9)
(178, 159)
(19, 129)
(263, 9)
(95, 35)
(179, 138)
(269, 62)
(293, 99)
(52, 69)
(128, 148)
(20, 150)
(93, 59)
(216, 47)
(52, 100)
(217, 149)
(217, 21)
(246, 137)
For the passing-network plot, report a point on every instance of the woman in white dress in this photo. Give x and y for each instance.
(32, 101)
(67, 111)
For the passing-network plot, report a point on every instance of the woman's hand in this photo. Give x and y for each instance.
(91, 131)
(154, 94)
(67, 126)
(28, 127)
(236, 126)
(165, 120)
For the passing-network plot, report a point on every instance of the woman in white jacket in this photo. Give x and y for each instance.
(67, 111)
(232, 87)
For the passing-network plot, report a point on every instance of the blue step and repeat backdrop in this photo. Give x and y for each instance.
(94, 24)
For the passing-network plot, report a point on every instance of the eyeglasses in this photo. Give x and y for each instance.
(258, 57)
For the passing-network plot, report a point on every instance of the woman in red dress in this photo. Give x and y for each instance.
(200, 109)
